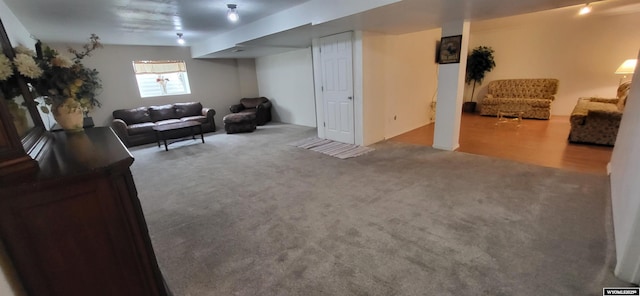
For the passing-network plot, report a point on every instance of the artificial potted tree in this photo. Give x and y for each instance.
(479, 62)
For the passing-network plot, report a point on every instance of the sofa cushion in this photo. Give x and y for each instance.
(249, 111)
(161, 122)
(140, 128)
(188, 109)
(163, 112)
(252, 102)
(537, 103)
(133, 116)
(199, 118)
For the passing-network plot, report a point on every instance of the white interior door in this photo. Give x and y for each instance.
(337, 87)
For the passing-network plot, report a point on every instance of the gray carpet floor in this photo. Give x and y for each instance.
(247, 214)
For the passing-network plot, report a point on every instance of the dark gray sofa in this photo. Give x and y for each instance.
(135, 126)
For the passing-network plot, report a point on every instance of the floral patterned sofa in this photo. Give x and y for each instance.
(533, 97)
(596, 120)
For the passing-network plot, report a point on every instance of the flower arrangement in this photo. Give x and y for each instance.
(163, 83)
(66, 80)
(23, 65)
(57, 78)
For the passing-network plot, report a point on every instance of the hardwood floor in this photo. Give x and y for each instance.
(541, 142)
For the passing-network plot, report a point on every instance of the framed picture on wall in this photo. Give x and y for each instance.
(450, 49)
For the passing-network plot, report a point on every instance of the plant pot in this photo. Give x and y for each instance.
(69, 115)
(469, 107)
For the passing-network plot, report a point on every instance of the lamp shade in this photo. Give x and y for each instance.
(627, 67)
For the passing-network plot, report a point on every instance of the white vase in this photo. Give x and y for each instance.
(69, 115)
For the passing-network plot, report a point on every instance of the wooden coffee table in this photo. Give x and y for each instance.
(163, 130)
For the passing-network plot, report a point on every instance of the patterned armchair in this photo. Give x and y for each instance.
(596, 120)
(533, 97)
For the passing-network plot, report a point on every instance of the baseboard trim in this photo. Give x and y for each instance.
(446, 148)
(608, 168)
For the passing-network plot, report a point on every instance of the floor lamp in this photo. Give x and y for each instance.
(627, 67)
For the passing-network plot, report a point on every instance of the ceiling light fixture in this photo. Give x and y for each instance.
(232, 13)
(180, 39)
(585, 9)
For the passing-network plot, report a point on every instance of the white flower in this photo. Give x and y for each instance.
(27, 66)
(24, 50)
(62, 62)
(6, 70)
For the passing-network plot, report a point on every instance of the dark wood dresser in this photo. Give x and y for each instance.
(76, 227)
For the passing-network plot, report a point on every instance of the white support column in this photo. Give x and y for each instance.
(450, 92)
(625, 188)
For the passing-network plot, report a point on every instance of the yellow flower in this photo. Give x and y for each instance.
(73, 89)
(85, 103)
(78, 82)
(21, 49)
(5, 68)
(27, 66)
(62, 62)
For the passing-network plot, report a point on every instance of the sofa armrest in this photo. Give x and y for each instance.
(604, 100)
(265, 105)
(236, 108)
(120, 127)
(208, 112)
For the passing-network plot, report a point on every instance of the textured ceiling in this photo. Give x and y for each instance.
(136, 22)
(204, 23)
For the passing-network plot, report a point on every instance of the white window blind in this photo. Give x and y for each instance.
(161, 78)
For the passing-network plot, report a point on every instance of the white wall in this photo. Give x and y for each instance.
(413, 79)
(287, 80)
(399, 82)
(17, 33)
(216, 84)
(625, 189)
(581, 51)
(375, 52)
(247, 76)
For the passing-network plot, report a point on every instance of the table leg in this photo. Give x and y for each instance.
(520, 117)
(201, 134)
(158, 138)
(166, 148)
(193, 134)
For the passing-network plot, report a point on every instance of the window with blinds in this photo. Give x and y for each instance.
(161, 78)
